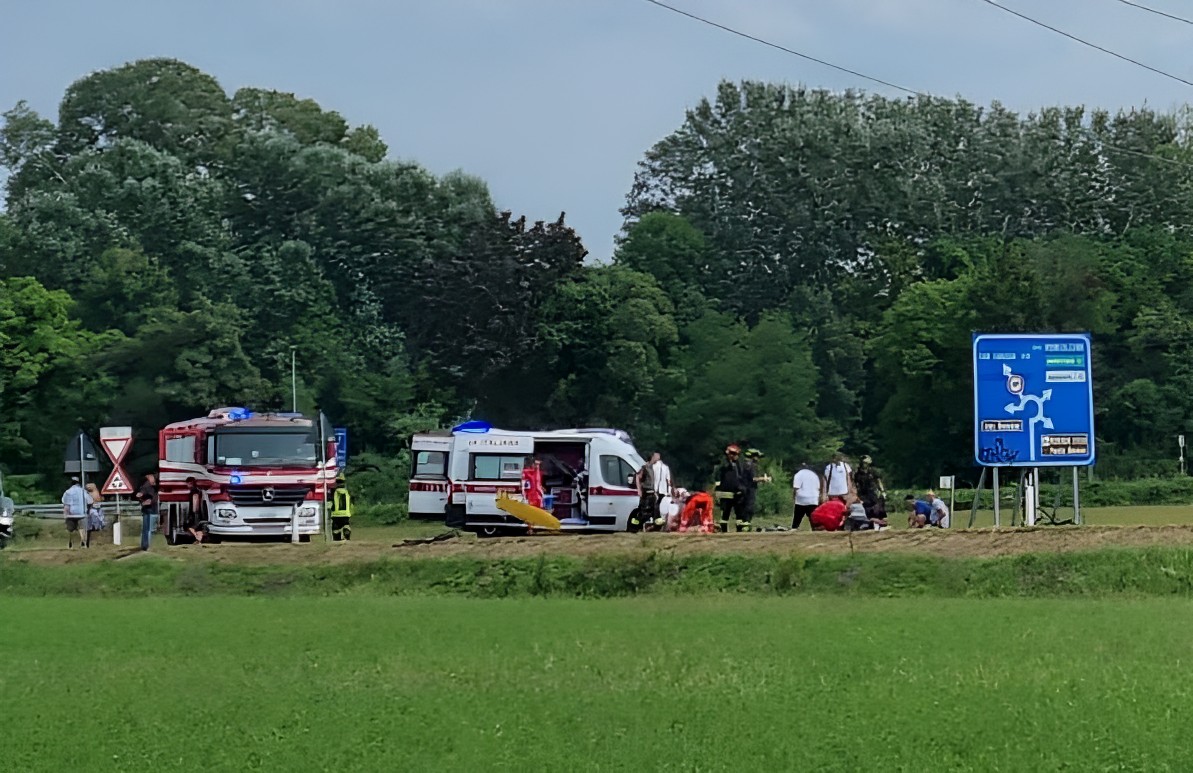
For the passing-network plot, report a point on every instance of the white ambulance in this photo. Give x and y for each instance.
(429, 453)
(588, 476)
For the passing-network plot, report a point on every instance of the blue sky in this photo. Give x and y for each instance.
(553, 102)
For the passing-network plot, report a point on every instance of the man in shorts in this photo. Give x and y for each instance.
(919, 512)
(75, 503)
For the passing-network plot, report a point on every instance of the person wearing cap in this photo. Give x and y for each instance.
(838, 477)
(75, 504)
(867, 481)
(750, 480)
(730, 486)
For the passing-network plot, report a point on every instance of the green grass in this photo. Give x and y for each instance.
(1131, 572)
(731, 683)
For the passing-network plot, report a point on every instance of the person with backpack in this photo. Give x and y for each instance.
(838, 478)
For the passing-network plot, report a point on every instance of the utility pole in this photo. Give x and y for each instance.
(1180, 439)
(293, 380)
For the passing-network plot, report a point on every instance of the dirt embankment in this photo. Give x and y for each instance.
(950, 543)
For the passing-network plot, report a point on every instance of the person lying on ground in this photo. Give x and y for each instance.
(857, 519)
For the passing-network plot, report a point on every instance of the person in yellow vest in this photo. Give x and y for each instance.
(341, 511)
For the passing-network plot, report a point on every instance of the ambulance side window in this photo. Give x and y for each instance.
(430, 464)
(497, 467)
(616, 471)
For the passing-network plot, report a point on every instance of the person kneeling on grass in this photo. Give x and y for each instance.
(919, 512)
(940, 511)
(830, 515)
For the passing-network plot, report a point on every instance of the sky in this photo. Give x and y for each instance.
(554, 102)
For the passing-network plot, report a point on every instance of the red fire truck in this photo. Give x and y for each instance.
(235, 473)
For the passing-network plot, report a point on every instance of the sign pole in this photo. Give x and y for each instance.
(997, 503)
(116, 523)
(1029, 499)
(1076, 498)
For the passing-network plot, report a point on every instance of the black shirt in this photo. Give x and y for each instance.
(147, 494)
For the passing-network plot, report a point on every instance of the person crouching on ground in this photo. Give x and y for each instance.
(829, 516)
(940, 511)
(919, 512)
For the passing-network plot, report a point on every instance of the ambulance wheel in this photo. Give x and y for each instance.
(490, 531)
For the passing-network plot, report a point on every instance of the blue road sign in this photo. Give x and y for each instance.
(1033, 400)
(341, 447)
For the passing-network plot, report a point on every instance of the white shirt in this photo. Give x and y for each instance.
(837, 478)
(941, 511)
(807, 488)
(77, 500)
(662, 478)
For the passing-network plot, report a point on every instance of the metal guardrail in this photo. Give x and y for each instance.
(55, 511)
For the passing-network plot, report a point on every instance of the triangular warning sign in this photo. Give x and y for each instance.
(117, 483)
(115, 446)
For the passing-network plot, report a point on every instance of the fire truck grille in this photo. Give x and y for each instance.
(266, 495)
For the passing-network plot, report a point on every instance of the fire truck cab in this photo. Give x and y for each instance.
(588, 477)
(234, 473)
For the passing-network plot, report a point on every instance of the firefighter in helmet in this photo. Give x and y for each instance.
(730, 487)
(341, 511)
(751, 477)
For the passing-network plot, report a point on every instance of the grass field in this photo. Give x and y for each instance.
(696, 683)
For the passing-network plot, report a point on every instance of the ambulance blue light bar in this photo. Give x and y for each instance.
(473, 427)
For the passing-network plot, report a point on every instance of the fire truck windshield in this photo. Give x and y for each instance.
(263, 448)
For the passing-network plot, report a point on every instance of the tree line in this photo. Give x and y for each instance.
(799, 269)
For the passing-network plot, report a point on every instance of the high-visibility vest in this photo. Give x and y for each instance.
(341, 503)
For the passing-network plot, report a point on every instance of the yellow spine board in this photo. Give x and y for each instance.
(535, 516)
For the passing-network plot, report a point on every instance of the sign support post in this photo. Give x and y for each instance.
(1076, 499)
(997, 503)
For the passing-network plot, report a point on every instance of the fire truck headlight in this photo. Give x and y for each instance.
(225, 515)
(307, 512)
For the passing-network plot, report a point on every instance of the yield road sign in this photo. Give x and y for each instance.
(117, 441)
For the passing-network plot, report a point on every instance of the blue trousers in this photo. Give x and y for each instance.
(147, 523)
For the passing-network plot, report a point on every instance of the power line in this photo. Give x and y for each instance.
(1088, 133)
(1095, 46)
(784, 49)
(1157, 12)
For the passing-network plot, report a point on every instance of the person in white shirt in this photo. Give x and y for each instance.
(806, 492)
(940, 511)
(838, 477)
(75, 504)
(664, 490)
